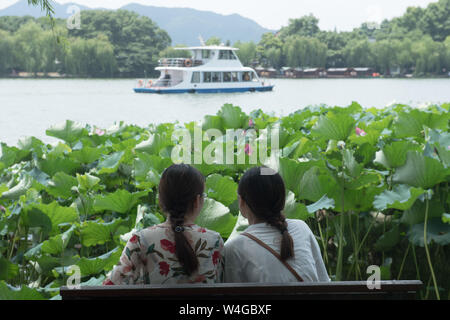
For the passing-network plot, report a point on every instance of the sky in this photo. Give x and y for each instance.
(344, 15)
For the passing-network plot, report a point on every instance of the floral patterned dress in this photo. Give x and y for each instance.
(149, 258)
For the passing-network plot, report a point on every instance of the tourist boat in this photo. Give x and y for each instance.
(211, 69)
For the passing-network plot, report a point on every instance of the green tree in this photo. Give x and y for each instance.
(6, 52)
(246, 52)
(307, 26)
(137, 40)
(213, 41)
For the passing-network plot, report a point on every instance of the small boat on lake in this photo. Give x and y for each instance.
(211, 69)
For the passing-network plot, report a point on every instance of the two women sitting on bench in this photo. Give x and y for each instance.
(273, 249)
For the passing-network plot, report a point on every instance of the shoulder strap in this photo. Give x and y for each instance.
(262, 244)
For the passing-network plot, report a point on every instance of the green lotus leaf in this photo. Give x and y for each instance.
(402, 197)
(212, 122)
(61, 185)
(20, 189)
(314, 185)
(334, 126)
(394, 154)
(110, 163)
(239, 227)
(420, 171)
(437, 232)
(53, 165)
(93, 266)
(359, 200)
(351, 166)
(412, 123)
(68, 131)
(215, 216)
(440, 144)
(33, 218)
(8, 270)
(416, 214)
(94, 233)
(294, 209)
(146, 163)
(8, 292)
(388, 240)
(93, 282)
(57, 244)
(321, 204)
(120, 201)
(31, 144)
(233, 117)
(57, 214)
(87, 155)
(367, 179)
(155, 143)
(3, 188)
(87, 182)
(292, 172)
(12, 155)
(446, 218)
(222, 189)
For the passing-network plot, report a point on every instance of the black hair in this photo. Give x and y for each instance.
(179, 187)
(265, 195)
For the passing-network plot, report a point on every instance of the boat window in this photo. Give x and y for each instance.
(255, 77)
(217, 77)
(227, 77)
(235, 76)
(206, 54)
(246, 76)
(195, 77)
(224, 55)
(206, 76)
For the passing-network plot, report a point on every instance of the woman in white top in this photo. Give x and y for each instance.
(261, 201)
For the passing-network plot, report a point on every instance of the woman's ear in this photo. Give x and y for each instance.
(242, 206)
(198, 203)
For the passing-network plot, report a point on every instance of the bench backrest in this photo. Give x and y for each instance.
(354, 290)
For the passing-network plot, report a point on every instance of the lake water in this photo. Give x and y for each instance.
(29, 107)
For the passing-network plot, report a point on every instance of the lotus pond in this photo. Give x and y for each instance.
(373, 184)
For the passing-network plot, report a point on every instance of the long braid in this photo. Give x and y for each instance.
(287, 244)
(265, 195)
(179, 187)
(183, 249)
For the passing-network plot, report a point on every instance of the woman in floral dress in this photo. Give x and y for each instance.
(177, 251)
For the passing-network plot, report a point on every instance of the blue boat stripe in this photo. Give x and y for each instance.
(215, 90)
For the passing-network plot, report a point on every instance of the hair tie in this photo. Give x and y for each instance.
(284, 229)
(179, 229)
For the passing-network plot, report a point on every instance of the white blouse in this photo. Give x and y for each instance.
(247, 261)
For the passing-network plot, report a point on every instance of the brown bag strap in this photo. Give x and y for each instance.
(276, 254)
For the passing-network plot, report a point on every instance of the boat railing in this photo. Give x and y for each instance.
(179, 62)
(166, 83)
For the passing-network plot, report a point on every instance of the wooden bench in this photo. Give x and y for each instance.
(354, 290)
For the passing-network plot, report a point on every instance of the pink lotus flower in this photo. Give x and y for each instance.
(251, 123)
(99, 132)
(360, 132)
(2, 209)
(248, 150)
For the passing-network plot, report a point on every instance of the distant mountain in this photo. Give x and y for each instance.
(22, 8)
(184, 25)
